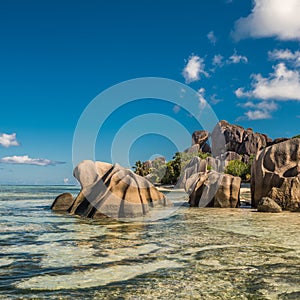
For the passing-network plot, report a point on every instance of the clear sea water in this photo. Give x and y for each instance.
(192, 254)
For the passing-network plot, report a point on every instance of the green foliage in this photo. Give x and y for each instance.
(168, 173)
(173, 169)
(296, 136)
(203, 155)
(239, 168)
(140, 168)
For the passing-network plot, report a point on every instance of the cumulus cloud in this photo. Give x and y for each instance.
(270, 18)
(257, 115)
(193, 69)
(240, 93)
(8, 140)
(26, 160)
(211, 37)
(283, 84)
(287, 55)
(259, 111)
(202, 101)
(214, 99)
(264, 105)
(218, 60)
(236, 58)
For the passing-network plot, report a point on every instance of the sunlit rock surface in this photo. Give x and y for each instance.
(213, 189)
(276, 174)
(113, 191)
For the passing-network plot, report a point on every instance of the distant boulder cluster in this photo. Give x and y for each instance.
(210, 172)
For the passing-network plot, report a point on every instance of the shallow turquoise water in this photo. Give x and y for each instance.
(191, 254)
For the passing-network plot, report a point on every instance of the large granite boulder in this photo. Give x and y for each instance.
(113, 191)
(229, 156)
(200, 137)
(228, 137)
(198, 165)
(194, 149)
(213, 189)
(276, 174)
(277, 141)
(194, 166)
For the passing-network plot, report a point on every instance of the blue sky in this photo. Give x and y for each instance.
(56, 56)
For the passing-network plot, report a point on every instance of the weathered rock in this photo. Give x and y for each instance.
(227, 137)
(205, 148)
(156, 169)
(113, 191)
(276, 174)
(151, 177)
(63, 202)
(229, 156)
(195, 166)
(277, 141)
(200, 137)
(213, 189)
(215, 164)
(267, 204)
(193, 149)
(198, 165)
(156, 162)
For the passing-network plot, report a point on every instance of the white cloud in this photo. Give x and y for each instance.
(8, 140)
(193, 69)
(240, 93)
(257, 115)
(214, 99)
(236, 58)
(282, 84)
(26, 160)
(270, 18)
(211, 37)
(287, 55)
(202, 101)
(264, 105)
(260, 110)
(218, 60)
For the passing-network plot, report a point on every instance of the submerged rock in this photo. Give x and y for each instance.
(267, 204)
(63, 202)
(276, 174)
(113, 191)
